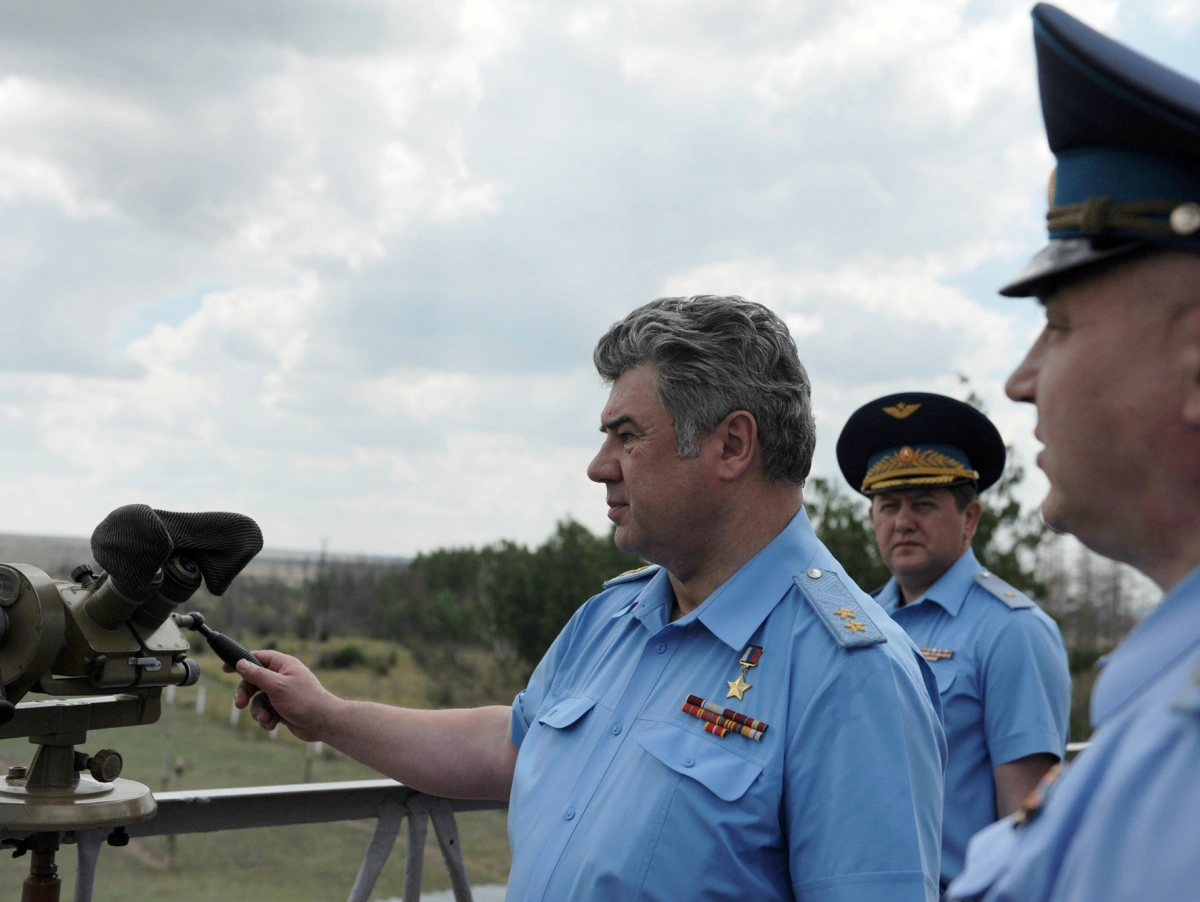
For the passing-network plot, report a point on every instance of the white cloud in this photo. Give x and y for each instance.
(342, 265)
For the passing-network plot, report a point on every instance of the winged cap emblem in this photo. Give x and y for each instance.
(902, 410)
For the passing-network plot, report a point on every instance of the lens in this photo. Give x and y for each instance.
(181, 579)
(10, 586)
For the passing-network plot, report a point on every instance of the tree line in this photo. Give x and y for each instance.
(505, 602)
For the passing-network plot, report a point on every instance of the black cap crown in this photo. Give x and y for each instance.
(914, 439)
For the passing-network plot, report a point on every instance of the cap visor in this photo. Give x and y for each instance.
(1062, 255)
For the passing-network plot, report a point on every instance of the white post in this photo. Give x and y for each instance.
(234, 713)
(274, 733)
(201, 698)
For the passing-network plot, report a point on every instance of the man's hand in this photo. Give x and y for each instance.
(298, 699)
(463, 753)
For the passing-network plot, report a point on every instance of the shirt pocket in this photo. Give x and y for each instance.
(724, 774)
(945, 673)
(566, 712)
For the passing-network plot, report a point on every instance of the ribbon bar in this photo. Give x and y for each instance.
(720, 721)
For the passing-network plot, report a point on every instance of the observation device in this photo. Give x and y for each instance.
(102, 646)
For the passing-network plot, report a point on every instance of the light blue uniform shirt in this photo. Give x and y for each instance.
(618, 794)
(1006, 688)
(1122, 822)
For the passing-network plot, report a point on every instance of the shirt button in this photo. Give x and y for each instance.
(616, 729)
(661, 647)
(688, 762)
(569, 813)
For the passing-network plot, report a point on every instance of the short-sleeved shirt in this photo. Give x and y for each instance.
(1121, 822)
(1005, 685)
(620, 794)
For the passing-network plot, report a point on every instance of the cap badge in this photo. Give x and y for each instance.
(908, 466)
(1185, 219)
(901, 410)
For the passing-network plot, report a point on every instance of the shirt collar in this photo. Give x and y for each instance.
(739, 605)
(949, 592)
(1155, 645)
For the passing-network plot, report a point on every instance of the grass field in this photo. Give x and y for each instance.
(316, 862)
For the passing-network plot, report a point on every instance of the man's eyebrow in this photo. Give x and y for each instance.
(618, 423)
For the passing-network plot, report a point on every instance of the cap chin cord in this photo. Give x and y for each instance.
(1097, 215)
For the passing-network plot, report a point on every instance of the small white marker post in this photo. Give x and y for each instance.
(201, 698)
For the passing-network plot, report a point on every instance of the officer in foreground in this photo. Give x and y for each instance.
(1000, 662)
(736, 721)
(1115, 376)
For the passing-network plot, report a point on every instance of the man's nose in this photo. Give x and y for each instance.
(604, 467)
(1022, 384)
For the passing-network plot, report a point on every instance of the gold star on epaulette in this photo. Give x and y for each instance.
(844, 613)
(855, 627)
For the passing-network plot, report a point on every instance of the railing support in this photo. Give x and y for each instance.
(387, 828)
(87, 852)
(447, 833)
(388, 802)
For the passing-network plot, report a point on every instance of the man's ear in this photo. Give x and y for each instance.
(971, 514)
(735, 445)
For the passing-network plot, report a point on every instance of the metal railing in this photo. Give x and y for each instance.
(385, 801)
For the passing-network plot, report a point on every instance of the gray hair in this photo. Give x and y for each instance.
(711, 356)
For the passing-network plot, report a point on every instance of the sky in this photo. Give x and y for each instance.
(340, 266)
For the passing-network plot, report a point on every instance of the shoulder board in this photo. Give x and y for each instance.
(838, 609)
(994, 585)
(631, 575)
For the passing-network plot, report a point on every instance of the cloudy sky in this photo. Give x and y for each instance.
(340, 265)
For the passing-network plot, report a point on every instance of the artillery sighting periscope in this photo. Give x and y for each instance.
(102, 646)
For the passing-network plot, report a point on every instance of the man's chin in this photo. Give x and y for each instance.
(1053, 513)
(913, 560)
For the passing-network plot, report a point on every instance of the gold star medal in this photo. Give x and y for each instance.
(738, 687)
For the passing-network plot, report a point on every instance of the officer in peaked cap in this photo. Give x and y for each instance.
(1000, 662)
(1115, 377)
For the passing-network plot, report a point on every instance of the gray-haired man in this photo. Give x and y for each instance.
(737, 720)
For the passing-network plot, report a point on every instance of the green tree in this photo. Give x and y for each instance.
(841, 522)
(1008, 536)
(534, 594)
(438, 598)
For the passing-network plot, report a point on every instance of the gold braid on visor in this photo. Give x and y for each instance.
(1101, 214)
(912, 467)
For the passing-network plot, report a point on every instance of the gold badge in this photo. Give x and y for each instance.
(906, 454)
(901, 410)
(738, 687)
